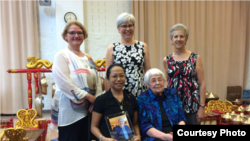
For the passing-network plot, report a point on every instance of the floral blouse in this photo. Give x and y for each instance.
(132, 59)
(183, 77)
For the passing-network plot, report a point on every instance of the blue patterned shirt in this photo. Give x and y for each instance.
(150, 112)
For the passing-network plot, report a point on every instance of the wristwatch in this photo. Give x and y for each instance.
(100, 138)
(203, 106)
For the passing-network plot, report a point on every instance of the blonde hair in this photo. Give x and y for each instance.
(66, 28)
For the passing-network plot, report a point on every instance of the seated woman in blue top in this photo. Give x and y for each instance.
(159, 108)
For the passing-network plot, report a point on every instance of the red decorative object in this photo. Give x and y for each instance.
(100, 69)
(216, 117)
(42, 124)
(29, 78)
(7, 123)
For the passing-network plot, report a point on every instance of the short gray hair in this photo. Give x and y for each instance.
(125, 17)
(178, 27)
(153, 71)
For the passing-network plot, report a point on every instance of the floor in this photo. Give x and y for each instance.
(51, 134)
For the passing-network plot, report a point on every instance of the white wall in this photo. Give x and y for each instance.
(48, 43)
(99, 18)
(62, 7)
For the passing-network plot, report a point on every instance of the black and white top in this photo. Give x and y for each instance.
(132, 59)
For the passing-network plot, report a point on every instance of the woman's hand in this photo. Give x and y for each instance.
(136, 138)
(91, 108)
(90, 98)
(181, 123)
(108, 139)
(168, 137)
(200, 114)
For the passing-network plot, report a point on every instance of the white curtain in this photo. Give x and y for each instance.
(19, 37)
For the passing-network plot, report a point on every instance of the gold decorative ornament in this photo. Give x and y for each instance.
(233, 113)
(247, 122)
(243, 115)
(38, 63)
(227, 117)
(26, 118)
(53, 89)
(13, 70)
(238, 120)
(211, 96)
(44, 85)
(2, 134)
(247, 109)
(222, 106)
(39, 105)
(237, 101)
(99, 63)
(13, 134)
(241, 109)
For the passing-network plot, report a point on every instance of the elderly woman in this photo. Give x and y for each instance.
(77, 84)
(185, 74)
(159, 108)
(132, 54)
(123, 131)
(115, 100)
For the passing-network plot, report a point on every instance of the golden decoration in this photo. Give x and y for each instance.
(44, 85)
(99, 63)
(222, 106)
(53, 89)
(26, 118)
(29, 92)
(2, 134)
(37, 63)
(13, 134)
(13, 70)
(30, 100)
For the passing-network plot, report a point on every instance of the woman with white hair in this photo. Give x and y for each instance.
(185, 74)
(159, 108)
(132, 54)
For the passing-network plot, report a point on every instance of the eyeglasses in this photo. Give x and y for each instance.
(156, 80)
(74, 33)
(127, 26)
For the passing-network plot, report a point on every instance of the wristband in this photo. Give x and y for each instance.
(100, 138)
(203, 106)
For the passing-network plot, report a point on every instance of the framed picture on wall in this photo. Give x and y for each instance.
(120, 126)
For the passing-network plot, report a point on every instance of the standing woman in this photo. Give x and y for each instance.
(185, 74)
(77, 82)
(132, 54)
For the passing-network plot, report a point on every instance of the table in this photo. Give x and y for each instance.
(33, 135)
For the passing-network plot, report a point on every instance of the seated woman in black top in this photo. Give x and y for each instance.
(115, 100)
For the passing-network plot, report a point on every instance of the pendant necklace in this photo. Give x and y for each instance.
(121, 105)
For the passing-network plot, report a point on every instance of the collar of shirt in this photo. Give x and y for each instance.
(110, 95)
(167, 92)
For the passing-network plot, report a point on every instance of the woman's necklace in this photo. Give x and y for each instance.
(121, 105)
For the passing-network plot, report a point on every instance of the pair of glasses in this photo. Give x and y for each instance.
(156, 80)
(74, 33)
(127, 26)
